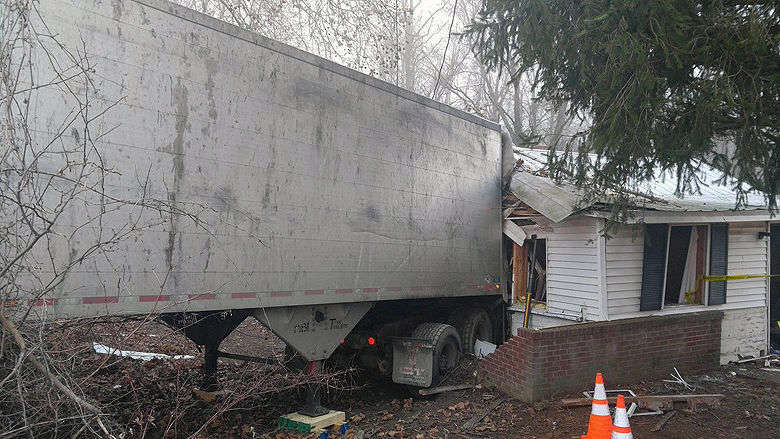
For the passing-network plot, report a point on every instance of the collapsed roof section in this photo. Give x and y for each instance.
(531, 187)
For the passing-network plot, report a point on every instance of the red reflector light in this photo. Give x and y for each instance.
(371, 341)
(342, 341)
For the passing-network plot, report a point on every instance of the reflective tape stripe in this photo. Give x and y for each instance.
(617, 429)
(600, 409)
(243, 295)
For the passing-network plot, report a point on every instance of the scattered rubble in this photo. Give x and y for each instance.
(678, 379)
(157, 396)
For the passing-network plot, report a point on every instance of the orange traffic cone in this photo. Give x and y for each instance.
(600, 423)
(621, 429)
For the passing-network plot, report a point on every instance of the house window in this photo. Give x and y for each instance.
(675, 260)
(686, 264)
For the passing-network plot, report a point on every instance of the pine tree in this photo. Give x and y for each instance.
(667, 84)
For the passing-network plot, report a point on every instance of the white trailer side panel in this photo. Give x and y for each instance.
(311, 183)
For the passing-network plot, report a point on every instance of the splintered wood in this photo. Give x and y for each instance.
(519, 271)
(656, 402)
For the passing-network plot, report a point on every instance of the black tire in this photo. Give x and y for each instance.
(476, 324)
(446, 348)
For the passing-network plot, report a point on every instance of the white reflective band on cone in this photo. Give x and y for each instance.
(616, 435)
(621, 429)
(600, 408)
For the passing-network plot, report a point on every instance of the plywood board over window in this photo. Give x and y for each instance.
(521, 270)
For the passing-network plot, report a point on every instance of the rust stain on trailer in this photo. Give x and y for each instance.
(180, 99)
(211, 70)
(208, 254)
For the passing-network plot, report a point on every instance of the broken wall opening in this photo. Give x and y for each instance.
(529, 277)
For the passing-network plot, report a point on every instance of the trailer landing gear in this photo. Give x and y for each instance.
(314, 418)
(207, 329)
(314, 332)
(313, 408)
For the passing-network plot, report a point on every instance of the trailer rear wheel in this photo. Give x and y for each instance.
(446, 348)
(475, 325)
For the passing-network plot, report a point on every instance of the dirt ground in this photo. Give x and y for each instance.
(376, 408)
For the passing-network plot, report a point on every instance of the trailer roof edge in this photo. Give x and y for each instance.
(309, 58)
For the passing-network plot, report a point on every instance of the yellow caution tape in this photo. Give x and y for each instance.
(736, 277)
(689, 295)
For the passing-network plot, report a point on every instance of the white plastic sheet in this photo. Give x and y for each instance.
(483, 348)
(689, 280)
(143, 356)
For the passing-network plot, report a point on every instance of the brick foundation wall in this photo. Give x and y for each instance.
(539, 363)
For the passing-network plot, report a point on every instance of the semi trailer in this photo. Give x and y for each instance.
(344, 213)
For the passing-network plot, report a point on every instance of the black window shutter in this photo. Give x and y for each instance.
(653, 267)
(719, 256)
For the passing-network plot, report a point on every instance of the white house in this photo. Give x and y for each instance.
(661, 262)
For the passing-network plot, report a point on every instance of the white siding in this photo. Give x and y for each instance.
(538, 320)
(573, 268)
(743, 332)
(747, 255)
(624, 270)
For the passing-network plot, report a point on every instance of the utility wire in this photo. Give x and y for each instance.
(447, 46)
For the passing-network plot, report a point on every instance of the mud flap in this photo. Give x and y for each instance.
(412, 361)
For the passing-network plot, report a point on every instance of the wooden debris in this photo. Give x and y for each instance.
(655, 402)
(514, 232)
(750, 360)
(664, 419)
(306, 424)
(443, 389)
(613, 393)
(479, 417)
(519, 271)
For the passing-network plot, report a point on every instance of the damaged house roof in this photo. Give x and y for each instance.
(558, 201)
